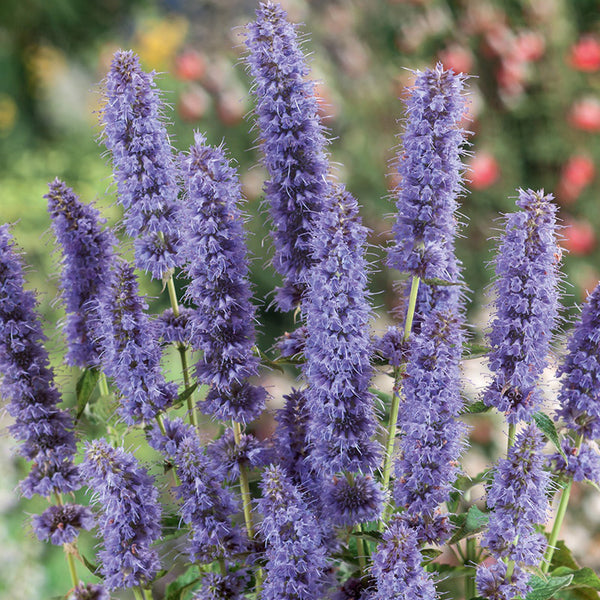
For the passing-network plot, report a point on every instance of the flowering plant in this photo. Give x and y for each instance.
(356, 492)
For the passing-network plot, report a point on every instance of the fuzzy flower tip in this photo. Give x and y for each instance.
(432, 435)
(27, 382)
(352, 500)
(214, 250)
(145, 170)
(579, 395)
(129, 519)
(174, 329)
(430, 169)
(87, 254)
(205, 505)
(293, 143)
(338, 345)
(89, 591)
(518, 503)
(526, 306)
(61, 524)
(131, 353)
(397, 569)
(294, 549)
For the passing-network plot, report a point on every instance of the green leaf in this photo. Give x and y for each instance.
(472, 350)
(181, 398)
(439, 281)
(91, 567)
(430, 554)
(546, 426)
(386, 399)
(576, 594)
(476, 408)
(371, 536)
(473, 521)
(85, 388)
(585, 577)
(450, 571)
(544, 589)
(177, 590)
(562, 557)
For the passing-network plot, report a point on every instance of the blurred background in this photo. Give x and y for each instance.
(534, 112)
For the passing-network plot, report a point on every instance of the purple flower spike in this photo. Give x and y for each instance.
(172, 329)
(293, 142)
(579, 394)
(581, 465)
(61, 524)
(526, 306)
(518, 503)
(432, 434)
(87, 255)
(27, 382)
(431, 180)
(89, 591)
(144, 166)
(131, 353)
(294, 548)
(338, 346)
(214, 249)
(216, 586)
(130, 514)
(493, 584)
(397, 566)
(352, 500)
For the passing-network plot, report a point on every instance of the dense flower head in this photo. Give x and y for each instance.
(579, 395)
(87, 255)
(293, 142)
(144, 166)
(338, 345)
(205, 505)
(174, 329)
(129, 518)
(216, 586)
(214, 250)
(295, 554)
(61, 524)
(581, 464)
(131, 354)
(430, 168)
(291, 344)
(27, 382)
(397, 569)
(432, 435)
(494, 583)
(392, 347)
(518, 503)
(352, 500)
(89, 591)
(526, 306)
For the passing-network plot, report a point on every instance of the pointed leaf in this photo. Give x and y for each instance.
(546, 425)
(544, 589)
(85, 388)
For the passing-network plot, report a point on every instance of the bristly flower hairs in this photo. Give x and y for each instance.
(356, 492)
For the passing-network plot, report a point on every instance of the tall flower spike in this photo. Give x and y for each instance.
(293, 142)
(87, 255)
(397, 569)
(131, 352)
(130, 514)
(432, 435)
(579, 395)
(295, 554)
(526, 306)
(206, 506)
(430, 170)
(27, 382)
(214, 249)
(338, 345)
(144, 166)
(518, 503)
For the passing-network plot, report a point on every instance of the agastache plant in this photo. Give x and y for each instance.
(290, 496)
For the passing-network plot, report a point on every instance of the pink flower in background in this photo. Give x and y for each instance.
(577, 173)
(530, 45)
(458, 58)
(578, 237)
(585, 54)
(585, 115)
(483, 171)
(190, 66)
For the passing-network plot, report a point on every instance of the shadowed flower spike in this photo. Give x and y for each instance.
(27, 382)
(214, 250)
(129, 519)
(338, 346)
(293, 143)
(131, 352)
(397, 569)
(295, 554)
(87, 256)
(89, 591)
(216, 586)
(61, 524)
(431, 177)
(526, 306)
(579, 395)
(432, 435)
(144, 166)
(351, 500)
(518, 503)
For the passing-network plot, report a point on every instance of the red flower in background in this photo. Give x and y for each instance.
(578, 237)
(457, 58)
(530, 45)
(585, 54)
(577, 173)
(585, 115)
(483, 171)
(190, 66)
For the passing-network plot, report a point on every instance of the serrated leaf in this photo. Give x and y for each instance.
(466, 524)
(546, 425)
(544, 589)
(476, 408)
(84, 389)
(584, 577)
(176, 590)
(582, 593)
(563, 557)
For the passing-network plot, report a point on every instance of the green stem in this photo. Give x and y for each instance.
(66, 548)
(512, 432)
(560, 515)
(470, 562)
(360, 551)
(147, 594)
(137, 593)
(412, 304)
(103, 385)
